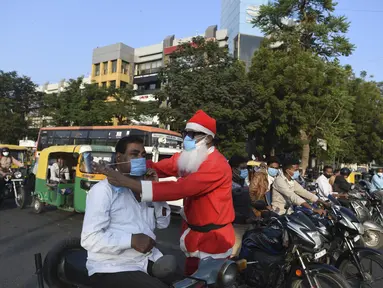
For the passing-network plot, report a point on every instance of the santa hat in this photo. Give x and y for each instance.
(201, 122)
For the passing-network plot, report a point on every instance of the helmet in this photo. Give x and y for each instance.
(5, 150)
(345, 171)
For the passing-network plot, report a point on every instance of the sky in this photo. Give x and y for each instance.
(51, 40)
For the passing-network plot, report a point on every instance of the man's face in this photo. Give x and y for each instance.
(197, 136)
(380, 171)
(274, 165)
(60, 162)
(328, 173)
(133, 151)
(292, 170)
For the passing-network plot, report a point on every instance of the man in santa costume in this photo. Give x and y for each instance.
(204, 184)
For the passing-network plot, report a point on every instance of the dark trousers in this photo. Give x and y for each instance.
(132, 279)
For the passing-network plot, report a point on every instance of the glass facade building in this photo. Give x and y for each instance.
(236, 16)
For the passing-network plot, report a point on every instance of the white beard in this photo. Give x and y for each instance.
(190, 161)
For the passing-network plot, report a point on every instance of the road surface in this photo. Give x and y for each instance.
(24, 233)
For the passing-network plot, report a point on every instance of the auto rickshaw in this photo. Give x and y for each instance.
(68, 195)
(354, 177)
(20, 153)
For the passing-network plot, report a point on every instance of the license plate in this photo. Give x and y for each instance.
(356, 238)
(320, 254)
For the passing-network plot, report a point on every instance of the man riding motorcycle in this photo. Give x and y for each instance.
(6, 162)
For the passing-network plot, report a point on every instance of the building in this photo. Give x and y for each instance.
(119, 64)
(50, 88)
(243, 38)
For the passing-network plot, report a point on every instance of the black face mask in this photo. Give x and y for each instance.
(328, 176)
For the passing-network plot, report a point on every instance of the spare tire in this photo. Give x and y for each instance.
(54, 259)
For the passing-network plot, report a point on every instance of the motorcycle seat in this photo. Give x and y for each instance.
(75, 267)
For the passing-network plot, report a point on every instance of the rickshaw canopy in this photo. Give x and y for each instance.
(14, 147)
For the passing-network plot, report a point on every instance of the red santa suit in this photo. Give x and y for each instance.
(208, 205)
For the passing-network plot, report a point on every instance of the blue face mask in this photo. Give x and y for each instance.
(295, 175)
(244, 173)
(272, 171)
(189, 144)
(137, 167)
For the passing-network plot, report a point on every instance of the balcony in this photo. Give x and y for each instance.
(147, 71)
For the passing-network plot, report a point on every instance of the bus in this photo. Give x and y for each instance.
(165, 142)
(159, 143)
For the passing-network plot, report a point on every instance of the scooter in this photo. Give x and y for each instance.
(65, 266)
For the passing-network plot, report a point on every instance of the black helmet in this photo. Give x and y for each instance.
(345, 171)
(5, 149)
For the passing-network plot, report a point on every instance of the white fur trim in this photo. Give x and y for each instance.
(200, 254)
(199, 128)
(147, 191)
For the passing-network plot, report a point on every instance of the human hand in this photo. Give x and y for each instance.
(151, 175)
(142, 243)
(101, 168)
(115, 178)
(320, 212)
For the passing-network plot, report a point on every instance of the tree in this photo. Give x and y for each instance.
(365, 145)
(125, 108)
(18, 101)
(302, 98)
(202, 75)
(78, 105)
(311, 23)
(309, 29)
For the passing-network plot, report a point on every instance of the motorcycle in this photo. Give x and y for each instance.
(65, 266)
(359, 204)
(372, 236)
(282, 251)
(14, 188)
(375, 203)
(342, 230)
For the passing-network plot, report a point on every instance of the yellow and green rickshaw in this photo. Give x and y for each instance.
(20, 153)
(354, 177)
(69, 195)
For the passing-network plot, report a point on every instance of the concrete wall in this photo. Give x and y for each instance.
(112, 52)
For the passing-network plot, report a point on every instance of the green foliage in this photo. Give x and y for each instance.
(78, 105)
(18, 101)
(202, 75)
(366, 144)
(311, 23)
(299, 93)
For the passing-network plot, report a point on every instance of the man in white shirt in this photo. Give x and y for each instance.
(118, 230)
(59, 171)
(325, 188)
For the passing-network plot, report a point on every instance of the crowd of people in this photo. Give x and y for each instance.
(123, 210)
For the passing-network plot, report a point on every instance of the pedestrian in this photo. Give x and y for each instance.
(241, 200)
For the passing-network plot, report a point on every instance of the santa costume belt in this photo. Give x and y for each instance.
(205, 228)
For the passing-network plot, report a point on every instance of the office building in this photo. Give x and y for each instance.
(120, 64)
(243, 38)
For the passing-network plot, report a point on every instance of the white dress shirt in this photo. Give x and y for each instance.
(58, 173)
(112, 216)
(324, 186)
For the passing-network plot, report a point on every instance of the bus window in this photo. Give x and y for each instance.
(98, 134)
(98, 141)
(62, 141)
(79, 134)
(79, 137)
(62, 134)
(118, 134)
